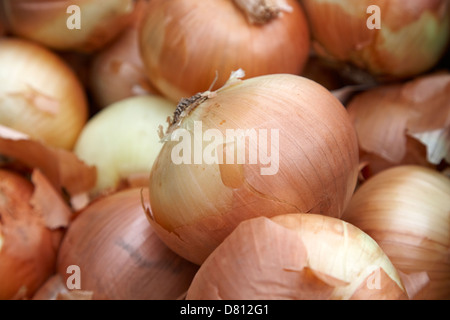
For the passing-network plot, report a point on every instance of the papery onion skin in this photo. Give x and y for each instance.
(186, 44)
(406, 210)
(195, 206)
(47, 22)
(119, 255)
(39, 94)
(122, 139)
(28, 249)
(297, 256)
(392, 121)
(412, 38)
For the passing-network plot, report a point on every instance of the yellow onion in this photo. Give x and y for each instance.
(39, 94)
(297, 256)
(29, 233)
(298, 153)
(406, 210)
(188, 44)
(121, 141)
(390, 39)
(83, 25)
(111, 251)
(117, 72)
(403, 123)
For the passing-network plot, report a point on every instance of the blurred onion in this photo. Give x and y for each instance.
(118, 254)
(28, 246)
(47, 22)
(39, 94)
(122, 141)
(412, 38)
(406, 210)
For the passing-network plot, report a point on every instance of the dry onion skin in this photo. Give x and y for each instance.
(297, 256)
(189, 45)
(83, 25)
(304, 129)
(39, 94)
(28, 246)
(121, 141)
(118, 254)
(406, 210)
(403, 123)
(412, 36)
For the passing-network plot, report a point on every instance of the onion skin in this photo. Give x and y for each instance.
(210, 200)
(46, 22)
(40, 95)
(28, 249)
(185, 44)
(119, 255)
(406, 210)
(413, 35)
(296, 256)
(392, 121)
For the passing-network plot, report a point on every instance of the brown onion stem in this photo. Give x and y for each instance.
(262, 11)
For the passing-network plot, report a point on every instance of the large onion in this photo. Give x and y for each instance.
(297, 256)
(117, 254)
(39, 94)
(83, 25)
(412, 36)
(302, 129)
(186, 44)
(406, 210)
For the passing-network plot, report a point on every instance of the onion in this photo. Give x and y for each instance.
(117, 254)
(411, 38)
(29, 234)
(297, 256)
(122, 141)
(40, 95)
(398, 123)
(187, 44)
(406, 210)
(307, 160)
(83, 25)
(117, 71)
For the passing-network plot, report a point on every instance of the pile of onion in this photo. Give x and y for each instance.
(405, 209)
(297, 256)
(121, 141)
(39, 94)
(389, 39)
(111, 252)
(84, 25)
(300, 154)
(187, 44)
(403, 123)
(30, 234)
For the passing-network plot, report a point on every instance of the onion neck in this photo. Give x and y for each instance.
(262, 11)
